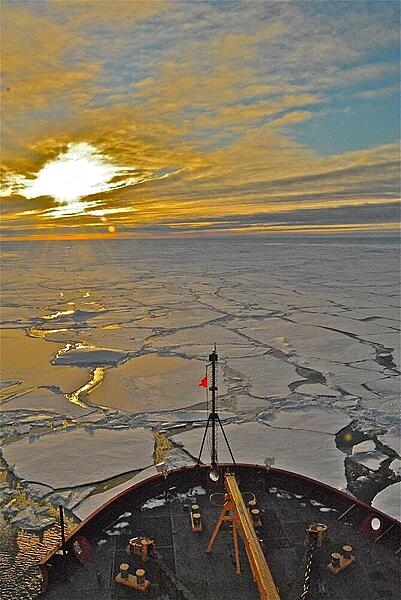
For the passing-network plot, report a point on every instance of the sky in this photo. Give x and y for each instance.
(149, 119)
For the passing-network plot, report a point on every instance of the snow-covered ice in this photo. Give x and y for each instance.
(151, 383)
(94, 501)
(81, 355)
(294, 450)
(76, 457)
(389, 501)
(267, 376)
(312, 418)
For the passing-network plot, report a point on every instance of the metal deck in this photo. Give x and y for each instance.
(285, 515)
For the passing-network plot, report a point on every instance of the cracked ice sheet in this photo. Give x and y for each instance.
(389, 501)
(321, 419)
(305, 341)
(77, 457)
(232, 307)
(184, 416)
(345, 377)
(317, 389)
(310, 453)
(115, 335)
(201, 340)
(387, 313)
(384, 403)
(84, 356)
(362, 329)
(178, 318)
(28, 359)
(152, 383)
(392, 341)
(392, 441)
(371, 460)
(268, 376)
(42, 399)
(95, 501)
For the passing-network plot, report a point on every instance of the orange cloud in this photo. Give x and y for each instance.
(201, 105)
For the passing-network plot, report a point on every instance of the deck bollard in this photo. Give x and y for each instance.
(140, 576)
(196, 519)
(335, 559)
(124, 571)
(252, 504)
(255, 514)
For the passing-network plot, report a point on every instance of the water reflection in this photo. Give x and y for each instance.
(20, 553)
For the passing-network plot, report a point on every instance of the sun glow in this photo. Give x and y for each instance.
(81, 171)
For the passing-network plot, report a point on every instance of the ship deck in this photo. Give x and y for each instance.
(184, 570)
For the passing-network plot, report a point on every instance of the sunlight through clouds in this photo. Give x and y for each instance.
(78, 172)
(166, 113)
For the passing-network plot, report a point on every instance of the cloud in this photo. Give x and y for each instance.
(201, 99)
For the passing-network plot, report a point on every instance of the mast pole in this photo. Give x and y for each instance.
(214, 421)
(61, 513)
(213, 358)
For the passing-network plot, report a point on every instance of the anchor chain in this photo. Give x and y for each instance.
(308, 568)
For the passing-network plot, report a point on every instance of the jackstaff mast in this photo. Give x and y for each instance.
(214, 420)
(213, 358)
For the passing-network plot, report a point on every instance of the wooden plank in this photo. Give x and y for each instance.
(257, 560)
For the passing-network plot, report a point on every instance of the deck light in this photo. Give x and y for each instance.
(214, 475)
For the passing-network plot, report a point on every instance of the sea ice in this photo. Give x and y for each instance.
(195, 342)
(304, 340)
(31, 520)
(311, 418)
(37, 491)
(28, 360)
(152, 383)
(90, 356)
(179, 299)
(311, 453)
(366, 446)
(48, 400)
(266, 375)
(341, 323)
(389, 501)
(183, 416)
(174, 317)
(93, 502)
(70, 498)
(76, 457)
(371, 460)
(317, 389)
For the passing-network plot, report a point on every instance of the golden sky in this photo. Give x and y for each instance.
(198, 118)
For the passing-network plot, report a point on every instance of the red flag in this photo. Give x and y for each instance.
(203, 382)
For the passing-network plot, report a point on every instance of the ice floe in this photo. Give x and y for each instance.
(74, 458)
(311, 418)
(311, 453)
(152, 383)
(389, 501)
(372, 459)
(94, 501)
(266, 375)
(32, 520)
(317, 389)
(28, 360)
(82, 355)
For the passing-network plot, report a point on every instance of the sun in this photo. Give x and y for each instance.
(78, 172)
